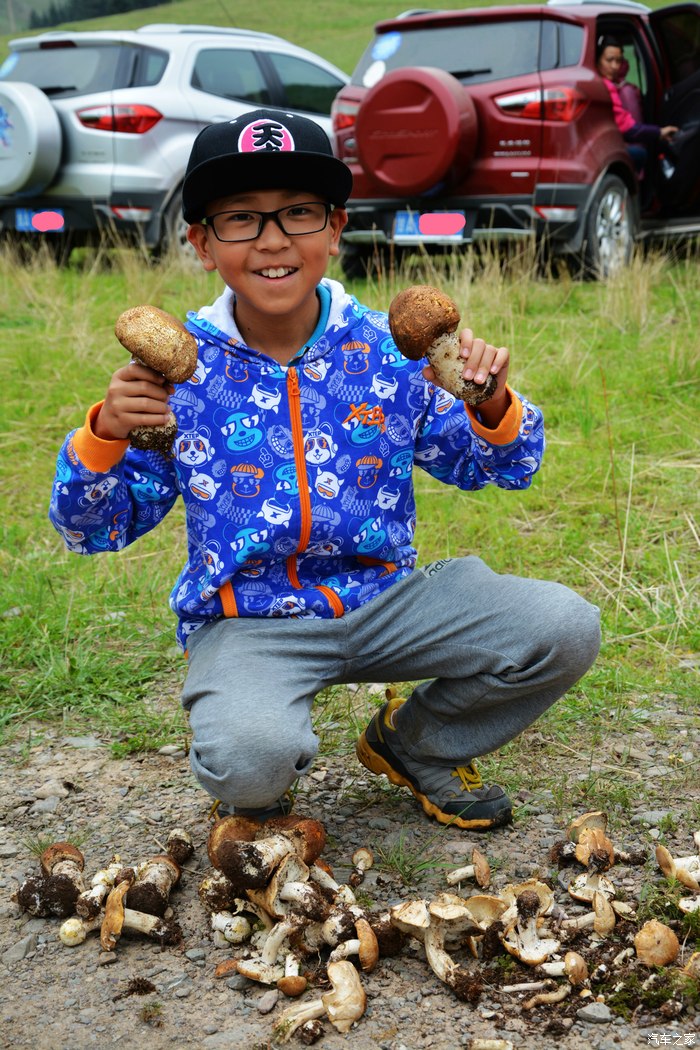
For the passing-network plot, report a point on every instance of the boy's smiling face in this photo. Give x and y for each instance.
(274, 276)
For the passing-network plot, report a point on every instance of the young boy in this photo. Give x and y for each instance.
(297, 438)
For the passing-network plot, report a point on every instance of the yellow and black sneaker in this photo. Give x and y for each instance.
(454, 795)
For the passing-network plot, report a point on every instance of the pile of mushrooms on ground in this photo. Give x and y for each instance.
(273, 902)
(118, 898)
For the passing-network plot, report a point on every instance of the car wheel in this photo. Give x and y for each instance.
(416, 128)
(173, 242)
(30, 139)
(610, 230)
(365, 260)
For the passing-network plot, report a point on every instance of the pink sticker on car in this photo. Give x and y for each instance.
(46, 221)
(441, 224)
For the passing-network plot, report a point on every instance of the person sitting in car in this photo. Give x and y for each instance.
(644, 141)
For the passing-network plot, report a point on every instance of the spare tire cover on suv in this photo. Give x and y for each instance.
(415, 128)
(30, 138)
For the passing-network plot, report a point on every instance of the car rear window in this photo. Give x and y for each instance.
(64, 69)
(473, 53)
(307, 87)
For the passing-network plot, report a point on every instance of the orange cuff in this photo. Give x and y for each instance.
(95, 453)
(509, 427)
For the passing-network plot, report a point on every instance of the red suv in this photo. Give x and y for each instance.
(494, 122)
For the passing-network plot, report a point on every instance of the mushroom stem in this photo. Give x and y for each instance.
(544, 998)
(526, 986)
(235, 928)
(154, 880)
(89, 903)
(75, 930)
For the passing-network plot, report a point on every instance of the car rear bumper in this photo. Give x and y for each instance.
(136, 216)
(554, 210)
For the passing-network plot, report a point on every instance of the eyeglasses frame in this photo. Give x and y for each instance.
(266, 216)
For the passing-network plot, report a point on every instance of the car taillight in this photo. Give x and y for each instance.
(131, 120)
(344, 114)
(562, 104)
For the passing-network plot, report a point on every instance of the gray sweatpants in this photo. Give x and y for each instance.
(498, 650)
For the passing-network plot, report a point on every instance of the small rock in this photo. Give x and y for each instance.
(238, 982)
(87, 1016)
(8, 849)
(171, 749)
(194, 955)
(651, 816)
(52, 788)
(595, 1013)
(82, 741)
(268, 1001)
(183, 991)
(106, 958)
(46, 805)
(20, 950)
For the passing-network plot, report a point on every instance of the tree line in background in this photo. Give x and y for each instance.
(78, 10)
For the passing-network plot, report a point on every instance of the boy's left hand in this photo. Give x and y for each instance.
(480, 358)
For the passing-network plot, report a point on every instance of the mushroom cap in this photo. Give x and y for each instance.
(290, 869)
(482, 868)
(512, 891)
(575, 968)
(485, 909)
(412, 917)
(656, 944)
(417, 316)
(585, 885)
(158, 340)
(73, 932)
(604, 921)
(689, 904)
(345, 1003)
(292, 985)
(595, 849)
(307, 836)
(57, 853)
(596, 819)
(369, 948)
(226, 831)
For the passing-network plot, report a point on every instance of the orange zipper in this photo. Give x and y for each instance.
(304, 497)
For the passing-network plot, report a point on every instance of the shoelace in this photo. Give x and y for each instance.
(469, 776)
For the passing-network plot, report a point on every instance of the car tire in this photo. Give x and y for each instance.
(610, 230)
(416, 129)
(359, 261)
(173, 242)
(31, 139)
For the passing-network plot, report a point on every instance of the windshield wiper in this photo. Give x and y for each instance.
(465, 74)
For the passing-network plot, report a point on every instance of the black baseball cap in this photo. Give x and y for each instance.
(264, 149)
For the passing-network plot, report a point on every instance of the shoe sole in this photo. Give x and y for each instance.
(376, 764)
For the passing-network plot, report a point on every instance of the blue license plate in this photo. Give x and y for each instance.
(46, 221)
(432, 227)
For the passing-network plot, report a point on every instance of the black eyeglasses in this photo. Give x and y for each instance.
(295, 220)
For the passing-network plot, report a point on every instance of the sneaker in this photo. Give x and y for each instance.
(281, 808)
(453, 796)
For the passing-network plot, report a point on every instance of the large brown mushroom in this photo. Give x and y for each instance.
(423, 322)
(159, 341)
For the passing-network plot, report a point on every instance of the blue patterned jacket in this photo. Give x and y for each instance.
(297, 479)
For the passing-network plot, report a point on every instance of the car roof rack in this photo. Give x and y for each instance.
(177, 27)
(633, 5)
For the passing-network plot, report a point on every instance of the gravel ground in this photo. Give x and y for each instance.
(52, 996)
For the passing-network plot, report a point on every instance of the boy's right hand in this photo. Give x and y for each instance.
(136, 397)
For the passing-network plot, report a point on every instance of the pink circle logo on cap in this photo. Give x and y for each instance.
(265, 136)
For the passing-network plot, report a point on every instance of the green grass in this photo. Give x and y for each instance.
(88, 643)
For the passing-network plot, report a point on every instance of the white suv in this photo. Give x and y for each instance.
(96, 127)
